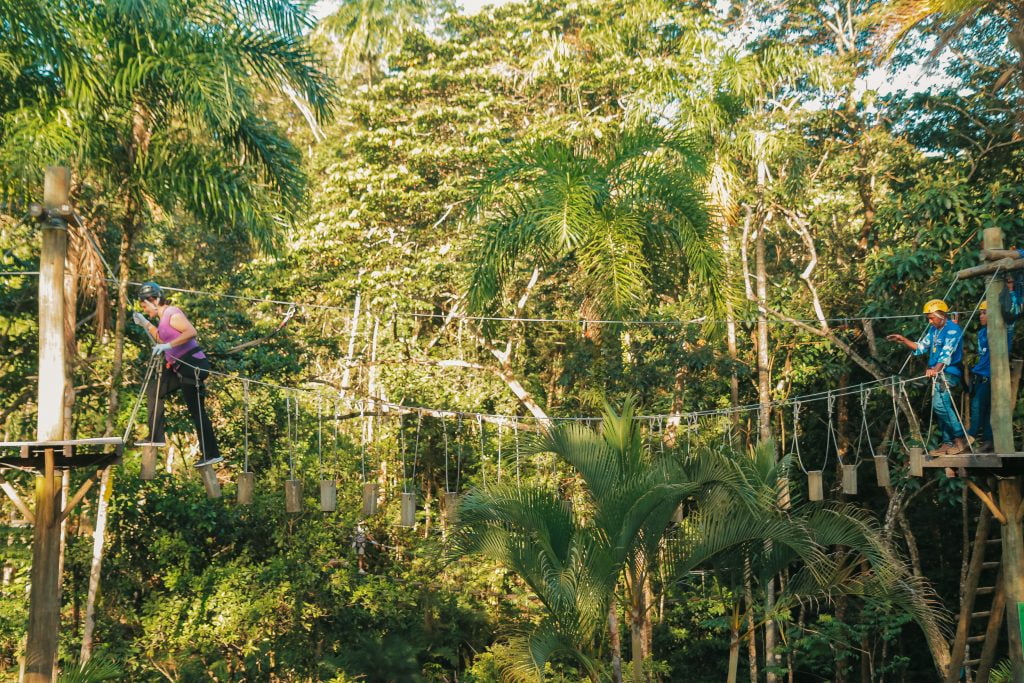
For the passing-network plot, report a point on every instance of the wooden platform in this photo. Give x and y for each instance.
(68, 454)
(980, 460)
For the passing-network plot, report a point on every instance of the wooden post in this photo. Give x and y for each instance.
(209, 476)
(408, 510)
(815, 490)
(147, 463)
(850, 479)
(246, 483)
(328, 495)
(293, 496)
(915, 461)
(44, 600)
(1010, 487)
(882, 470)
(369, 498)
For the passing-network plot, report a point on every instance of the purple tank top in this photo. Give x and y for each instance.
(168, 334)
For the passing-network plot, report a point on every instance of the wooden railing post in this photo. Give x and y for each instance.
(44, 596)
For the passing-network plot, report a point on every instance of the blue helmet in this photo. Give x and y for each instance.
(150, 290)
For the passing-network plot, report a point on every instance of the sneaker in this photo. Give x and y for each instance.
(983, 447)
(155, 444)
(210, 461)
(942, 450)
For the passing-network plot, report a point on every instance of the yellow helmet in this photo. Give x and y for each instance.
(983, 306)
(936, 306)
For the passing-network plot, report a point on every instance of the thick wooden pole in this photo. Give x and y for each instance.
(44, 597)
(1010, 487)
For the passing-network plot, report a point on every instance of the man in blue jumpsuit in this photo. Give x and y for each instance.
(944, 344)
(981, 374)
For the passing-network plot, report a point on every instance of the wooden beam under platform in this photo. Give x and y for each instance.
(980, 460)
(67, 454)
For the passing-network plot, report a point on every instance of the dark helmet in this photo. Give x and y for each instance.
(150, 290)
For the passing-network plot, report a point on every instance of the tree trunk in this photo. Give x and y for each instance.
(764, 397)
(124, 254)
(636, 627)
(764, 420)
(730, 333)
(648, 623)
(748, 595)
(734, 644)
(615, 641)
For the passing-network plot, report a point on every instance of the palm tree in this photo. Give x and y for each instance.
(156, 106)
(365, 32)
(575, 563)
(613, 218)
(842, 552)
(532, 533)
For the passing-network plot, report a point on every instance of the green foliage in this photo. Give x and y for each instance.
(616, 146)
(624, 215)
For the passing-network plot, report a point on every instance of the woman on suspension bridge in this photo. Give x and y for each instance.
(944, 344)
(185, 368)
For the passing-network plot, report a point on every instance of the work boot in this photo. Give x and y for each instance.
(957, 447)
(983, 447)
(941, 450)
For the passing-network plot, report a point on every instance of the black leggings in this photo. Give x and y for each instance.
(193, 390)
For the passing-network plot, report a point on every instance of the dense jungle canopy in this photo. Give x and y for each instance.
(416, 241)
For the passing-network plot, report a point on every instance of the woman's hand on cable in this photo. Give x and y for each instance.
(141, 321)
(160, 348)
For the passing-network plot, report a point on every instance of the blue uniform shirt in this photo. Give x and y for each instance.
(983, 367)
(944, 346)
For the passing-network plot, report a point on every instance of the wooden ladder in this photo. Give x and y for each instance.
(983, 583)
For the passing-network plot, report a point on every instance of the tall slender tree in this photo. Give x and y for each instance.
(616, 218)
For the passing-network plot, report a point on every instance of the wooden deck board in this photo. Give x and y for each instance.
(986, 460)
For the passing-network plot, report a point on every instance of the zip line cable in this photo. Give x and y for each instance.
(829, 395)
(711, 412)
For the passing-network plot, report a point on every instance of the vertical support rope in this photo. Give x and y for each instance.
(931, 416)
(501, 428)
(830, 436)
(795, 446)
(483, 468)
(661, 434)
(458, 452)
(444, 429)
(337, 436)
(362, 441)
(864, 421)
(401, 450)
(416, 449)
(291, 441)
(517, 451)
(898, 432)
(138, 401)
(245, 402)
(320, 435)
(956, 412)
